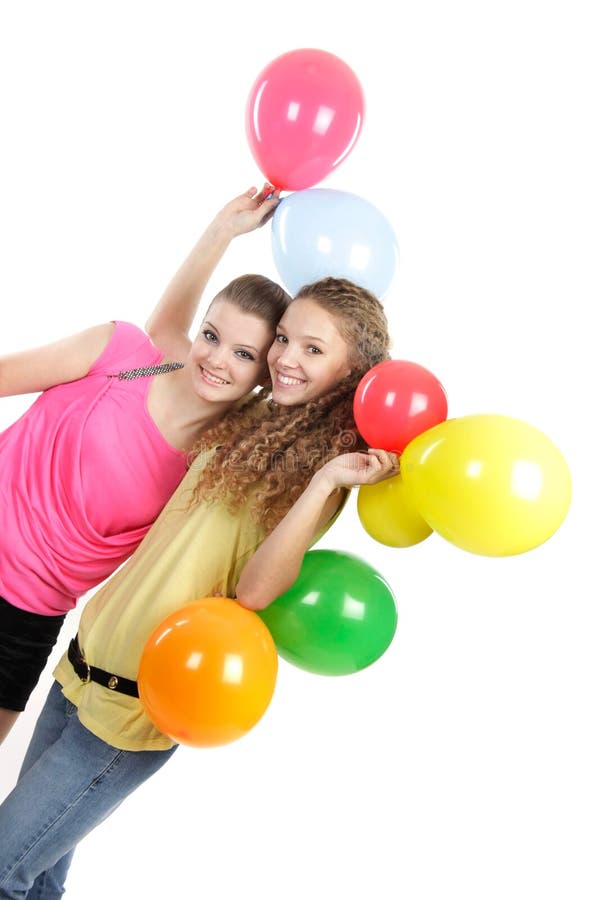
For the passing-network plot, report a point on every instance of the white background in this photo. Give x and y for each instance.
(464, 763)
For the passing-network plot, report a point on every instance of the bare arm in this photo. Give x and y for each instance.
(173, 316)
(30, 371)
(276, 564)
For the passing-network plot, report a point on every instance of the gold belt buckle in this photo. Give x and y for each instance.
(88, 676)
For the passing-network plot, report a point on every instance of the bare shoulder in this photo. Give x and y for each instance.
(65, 360)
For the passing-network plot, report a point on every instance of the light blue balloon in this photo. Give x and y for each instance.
(320, 232)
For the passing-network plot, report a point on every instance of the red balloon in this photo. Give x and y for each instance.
(303, 116)
(395, 401)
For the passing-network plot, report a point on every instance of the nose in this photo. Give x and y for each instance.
(217, 358)
(287, 357)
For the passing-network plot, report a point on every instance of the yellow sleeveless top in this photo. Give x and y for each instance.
(189, 553)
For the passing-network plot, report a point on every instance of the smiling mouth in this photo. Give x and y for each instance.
(288, 381)
(213, 379)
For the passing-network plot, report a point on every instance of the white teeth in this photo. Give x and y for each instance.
(210, 377)
(285, 379)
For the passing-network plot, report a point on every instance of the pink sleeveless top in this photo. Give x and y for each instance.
(83, 475)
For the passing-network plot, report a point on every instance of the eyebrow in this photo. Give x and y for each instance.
(306, 337)
(245, 346)
(248, 347)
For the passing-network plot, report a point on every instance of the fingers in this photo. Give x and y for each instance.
(385, 457)
(356, 460)
(267, 203)
(251, 209)
(269, 191)
(268, 207)
(266, 195)
(254, 195)
(388, 464)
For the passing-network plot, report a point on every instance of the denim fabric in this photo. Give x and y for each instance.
(70, 781)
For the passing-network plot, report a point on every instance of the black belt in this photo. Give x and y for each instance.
(89, 673)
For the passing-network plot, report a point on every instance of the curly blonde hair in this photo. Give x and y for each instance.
(272, 451)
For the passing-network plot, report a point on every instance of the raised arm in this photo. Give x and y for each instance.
(276, 564)
(172, 318)
(30, 371)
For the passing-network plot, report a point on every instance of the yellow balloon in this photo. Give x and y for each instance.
(489, 484)
(387, 512)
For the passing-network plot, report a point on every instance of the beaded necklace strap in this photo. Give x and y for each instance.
(145, 371)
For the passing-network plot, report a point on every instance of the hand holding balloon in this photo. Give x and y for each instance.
(248, 211)
(351, 469)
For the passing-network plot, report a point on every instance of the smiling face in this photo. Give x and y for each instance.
(309, 356)
(228, 357)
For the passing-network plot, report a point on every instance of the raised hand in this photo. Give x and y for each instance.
(172, 318)
(248, 211)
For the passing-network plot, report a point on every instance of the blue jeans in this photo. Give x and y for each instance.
(70, 781)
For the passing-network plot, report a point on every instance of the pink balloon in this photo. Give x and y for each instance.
(303, 116)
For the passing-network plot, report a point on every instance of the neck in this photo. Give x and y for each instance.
(178, 412)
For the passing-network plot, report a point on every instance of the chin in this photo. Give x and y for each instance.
(289, 401)
(213, 394)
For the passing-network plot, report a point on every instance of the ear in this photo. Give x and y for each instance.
(349, 369)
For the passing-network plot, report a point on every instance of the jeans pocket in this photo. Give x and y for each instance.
(70, 709)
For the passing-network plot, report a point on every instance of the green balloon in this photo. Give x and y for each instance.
(338, 617)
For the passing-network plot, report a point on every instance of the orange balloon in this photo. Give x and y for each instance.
(207, 672)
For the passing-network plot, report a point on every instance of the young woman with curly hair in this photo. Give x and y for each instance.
(262, 487)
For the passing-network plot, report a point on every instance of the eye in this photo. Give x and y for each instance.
(312, 349)
(210, 336)
(281, 338)
(243, 354)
